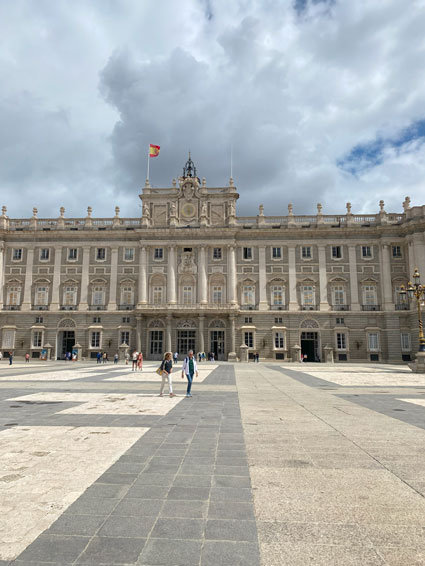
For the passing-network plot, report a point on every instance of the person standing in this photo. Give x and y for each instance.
(134, 360)
(166, 368)
(99, 357)
(116, 359)
(105, 357)
(176, 357)
(1, 356)
(27, 358)
(10, 358)
(127, 357)
(189, 369)
(140, 361)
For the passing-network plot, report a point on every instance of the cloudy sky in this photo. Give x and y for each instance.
(322, 100)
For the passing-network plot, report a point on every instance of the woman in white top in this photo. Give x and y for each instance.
(189, 369)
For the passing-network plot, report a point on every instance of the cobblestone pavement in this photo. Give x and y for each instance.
(265, 464)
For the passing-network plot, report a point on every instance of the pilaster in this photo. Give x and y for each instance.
(171, 276)
(112, 304)
(168, 333)
(202, 277)
(263, 304)
(2, 254)
(292, 278)
(323, 279)
(142, 298)
(386, 286)
(54, 305)
(85, 279)
(201, 342)
(26, 303)
(231, 275)
(354, 286)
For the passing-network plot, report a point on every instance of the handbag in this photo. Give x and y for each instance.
(159, 371)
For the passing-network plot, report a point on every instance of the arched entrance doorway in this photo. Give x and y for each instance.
(310, 340)
(217, 339)
(65, 337)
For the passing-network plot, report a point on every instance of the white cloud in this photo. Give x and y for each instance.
(89, 85)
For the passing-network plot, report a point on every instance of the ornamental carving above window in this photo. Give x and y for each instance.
(309, 323)
(156, 324)
(67, 323)
(186, 324)
(217, 324)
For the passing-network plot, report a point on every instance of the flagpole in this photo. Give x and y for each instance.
(147, 173)
(231, 160)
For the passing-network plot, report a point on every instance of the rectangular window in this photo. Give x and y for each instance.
(187, 293)
(276, 253)
(39, 320)
(17, 254)
(217, 294)
(306, 252)
(396, 251)
(44, 254)
(336, 252)
(366, 251)
(96, 320)
(277, 295)
(127, 295)
(157, 295)
(125, 337)
(373, 341)
(98, 296)
(248, 295)
(341, 341)
(72, 254)
(340, 320)
(279, 340)
(128, 254)
(278, 320)
(126, 320)
(247, 253)
(369, 295)
(95, 339)
(249, 339)
(13, 295)
(41, 295)
(156, 341)
(217, 253)
(338, 292)
(70, 296)
(100, 254)
(307, 295)
(158, 253)
(37, 338)
(248, 320)
(406, 344)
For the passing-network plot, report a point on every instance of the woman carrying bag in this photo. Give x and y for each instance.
(166, 368)
(189, 369)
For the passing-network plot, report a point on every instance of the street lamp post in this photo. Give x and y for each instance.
(416, 290)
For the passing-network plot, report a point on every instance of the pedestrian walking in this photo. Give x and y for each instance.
(1, 356)
(99, 357)
(127, 357)
(134, 360)
(212, 358)
(116, 359)
(175, 357)
(189, 370)
(166, 368)
(140, 361)
(10, 358)
(105, 357)
(27, 358)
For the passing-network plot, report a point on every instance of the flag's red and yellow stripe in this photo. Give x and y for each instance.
(154, 150)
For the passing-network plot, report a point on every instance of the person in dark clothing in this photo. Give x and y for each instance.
(166, 369)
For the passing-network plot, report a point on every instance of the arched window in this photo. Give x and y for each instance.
(157, 290)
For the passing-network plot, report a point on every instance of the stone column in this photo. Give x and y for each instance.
(1, 273)
(231, 275)
(201, 343)
(231, 357)
(85, 279)
(354, 287)
(171, 276)
(138, 333)
(419, 248)
(292, 276)
(323, 279)
(26, 303)
(112, 304)
(168, 334)
(202, 278)
(262, 280)
(386, 286)
(143, 288)
(411, 258)
(54, 305)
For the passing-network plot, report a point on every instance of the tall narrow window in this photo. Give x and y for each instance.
(306, 252)
(279, 340)
(406, 343)
(276, 253)
(70, 295)
(338, 292)
(158, 253)
(366, 252)
(17, 254)
(341, 341)
(396, 251)
(307, 296)
(277, 295)
(14, 296)
(373, 341)
(248, 295)
(100, 254)
(187, 292)
(95, 339)
(369, 295)
(127, 295)
(249, 339)
(216, 253)
(98, 296)
(128, 254)
(37, 339)
(44, 254)
(158, 295)
(72, 254)
(247, 253)
(41, 295)
(217, 294)
(336, 252)
(125, 337)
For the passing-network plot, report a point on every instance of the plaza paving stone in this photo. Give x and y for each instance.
(265, 464)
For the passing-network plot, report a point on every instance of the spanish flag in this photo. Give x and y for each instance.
(153, 150)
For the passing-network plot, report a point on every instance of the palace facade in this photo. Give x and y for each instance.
(191, 274)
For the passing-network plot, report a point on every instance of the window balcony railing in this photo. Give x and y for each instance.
(371, 307)
(340, 307)
(68, 307)
(11, 307)
(402, 307)
(125, 307)
(309, 307)
(279, 307)
(97, 307)
(248, 307)
(40, 307)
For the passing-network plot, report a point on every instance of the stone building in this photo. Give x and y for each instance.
(190, 273)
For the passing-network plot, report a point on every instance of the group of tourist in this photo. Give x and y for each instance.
(136, 361)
